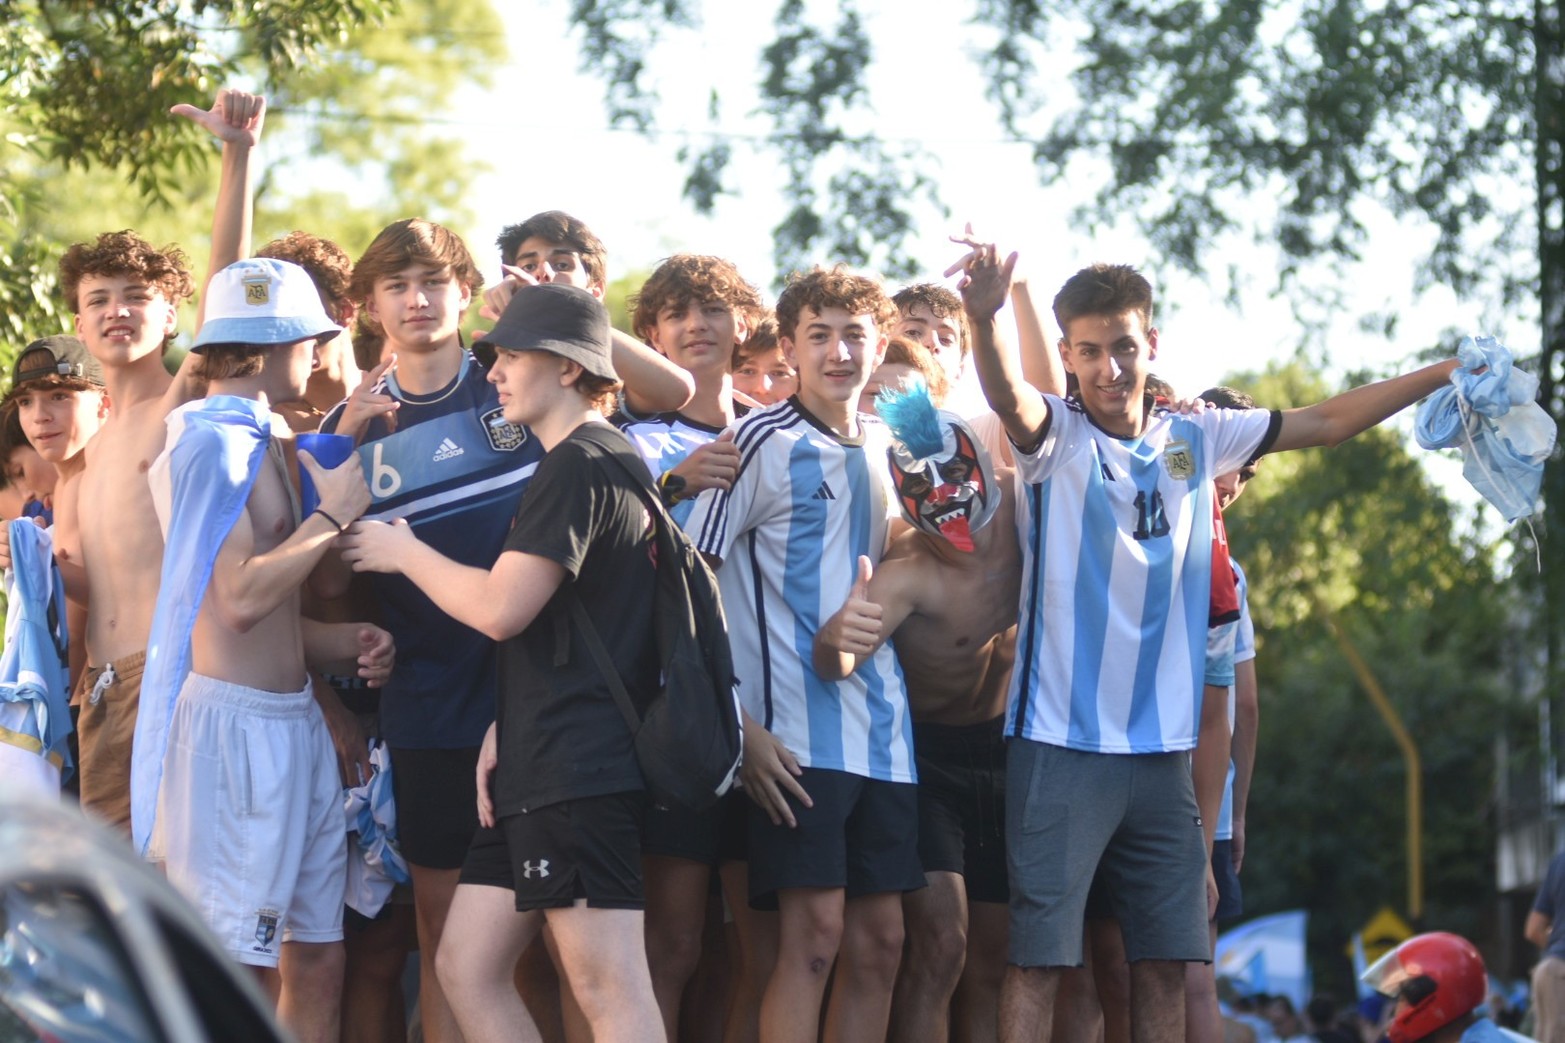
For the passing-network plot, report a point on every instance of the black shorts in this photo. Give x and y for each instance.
(677, 832)
(1230, 894)
(711, 837)
(552, 856)
(437, 804)
(355, 693)
(861, 835)
(961, 804)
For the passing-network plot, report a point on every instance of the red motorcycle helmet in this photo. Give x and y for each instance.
(1439, 977)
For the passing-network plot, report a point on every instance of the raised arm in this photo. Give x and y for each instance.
(984, 286)
(653, 384)
(1041, 365)
(235, 119)
(1340, 417)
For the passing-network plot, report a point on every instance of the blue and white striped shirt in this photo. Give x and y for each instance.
(805, 505)
(1116, 549)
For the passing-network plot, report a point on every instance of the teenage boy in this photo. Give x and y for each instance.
(828, 763)
(25, 473)
(57, 394)
(554, 247)
(761, 374)
(440, 454)
(443, 457)
(1243, 710)
(337, 374)
(695, 310)
(1115, 595)
(126, 295)
(226, 691)
(931, 315)
(566, 799)
(946, 591)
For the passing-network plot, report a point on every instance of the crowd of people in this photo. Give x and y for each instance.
(996, 671)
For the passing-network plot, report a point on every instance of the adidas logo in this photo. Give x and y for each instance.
(447, 449)
(824, 493)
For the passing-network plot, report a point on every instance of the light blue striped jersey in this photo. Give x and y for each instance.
(664, 440)
(1116, 540)
(1244, 650)
(805, 505)
(1244, 639)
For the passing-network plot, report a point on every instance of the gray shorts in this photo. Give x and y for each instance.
(1133, 817)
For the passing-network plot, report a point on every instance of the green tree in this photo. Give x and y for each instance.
(87, 88)
(851, 196)
(1360, 532)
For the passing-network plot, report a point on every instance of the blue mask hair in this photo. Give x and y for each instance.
(911, 415)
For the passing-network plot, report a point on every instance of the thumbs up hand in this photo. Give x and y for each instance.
(857, 627)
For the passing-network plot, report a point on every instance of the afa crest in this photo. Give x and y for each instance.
(266, 926)
(258, 290)
(1178, 460)
(504, 436)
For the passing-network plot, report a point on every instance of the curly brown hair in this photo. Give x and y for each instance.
(328, 264)
(125, 253)
(414, 241)
(835, 287)
(1103, 289)
(943, 302)
(684, 278)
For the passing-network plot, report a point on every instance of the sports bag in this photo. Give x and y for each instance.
(690, 741)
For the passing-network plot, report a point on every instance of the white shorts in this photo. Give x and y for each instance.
(250, 817)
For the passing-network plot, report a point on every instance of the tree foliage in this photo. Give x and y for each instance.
(1328, 107)
(851, 196)
(86, 89)
(1359, 531)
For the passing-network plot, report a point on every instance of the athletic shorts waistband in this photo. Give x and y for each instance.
(928, 737)
(199, 688)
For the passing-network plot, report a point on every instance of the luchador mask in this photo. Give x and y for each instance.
(942, 473)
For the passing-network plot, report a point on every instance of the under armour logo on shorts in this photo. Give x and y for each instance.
(539, 868)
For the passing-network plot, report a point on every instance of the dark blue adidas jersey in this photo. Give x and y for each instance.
(455, 468)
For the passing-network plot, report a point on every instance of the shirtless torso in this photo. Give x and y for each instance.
(268, 653)
(949, 614)
(121, 545)
(958, 639)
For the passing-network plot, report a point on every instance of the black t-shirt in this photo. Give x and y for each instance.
(561, 736)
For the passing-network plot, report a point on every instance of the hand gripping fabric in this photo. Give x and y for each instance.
(1490, 413)
(689, 742)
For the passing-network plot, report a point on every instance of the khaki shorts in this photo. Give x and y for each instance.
(109, 695)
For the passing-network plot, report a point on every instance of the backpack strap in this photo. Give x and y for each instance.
(600, 655)
(642, 480)
(595, 646)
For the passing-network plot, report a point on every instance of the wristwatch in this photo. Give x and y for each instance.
(672, 487)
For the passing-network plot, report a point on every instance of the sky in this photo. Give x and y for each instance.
(543, 131)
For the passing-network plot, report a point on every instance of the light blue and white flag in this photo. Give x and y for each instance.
(375, 865)
(1267, 955)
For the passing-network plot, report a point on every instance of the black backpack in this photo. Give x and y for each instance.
(690, 741)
